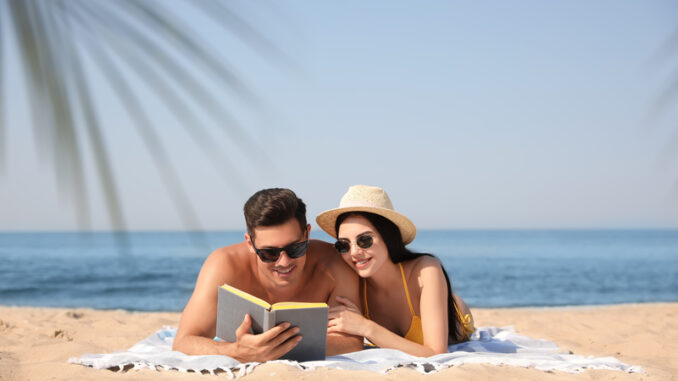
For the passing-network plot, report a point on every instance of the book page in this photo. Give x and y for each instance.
(247, 296)
(233, 305)
(294, 305)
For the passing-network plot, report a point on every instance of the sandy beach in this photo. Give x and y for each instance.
(35, 343)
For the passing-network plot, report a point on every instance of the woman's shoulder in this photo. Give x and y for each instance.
(424, 267)
(422, 262)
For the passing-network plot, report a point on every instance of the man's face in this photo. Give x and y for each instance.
(285, 271)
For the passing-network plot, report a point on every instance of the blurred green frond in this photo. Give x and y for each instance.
(664, 63)
(667, 53)
(3, 144)
(56, 39)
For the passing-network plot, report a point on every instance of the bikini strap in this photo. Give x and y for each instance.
(367, 310)
(407, 292)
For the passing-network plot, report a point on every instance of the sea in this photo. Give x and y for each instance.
(156, 271)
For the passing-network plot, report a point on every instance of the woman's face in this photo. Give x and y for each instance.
(364, 261)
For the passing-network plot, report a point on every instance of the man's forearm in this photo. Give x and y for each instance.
(340, 343)
(198, 345)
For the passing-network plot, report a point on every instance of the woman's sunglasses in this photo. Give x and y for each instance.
(272, 254)
(364, 241)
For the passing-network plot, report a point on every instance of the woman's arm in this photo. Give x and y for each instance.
(433, 312)
(432, 303)
(347, 319)
(346, 284)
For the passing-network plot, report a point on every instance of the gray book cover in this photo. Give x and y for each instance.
(311, 318)
(312, 323)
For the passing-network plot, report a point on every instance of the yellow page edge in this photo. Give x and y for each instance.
(296, 305)
(247, 296)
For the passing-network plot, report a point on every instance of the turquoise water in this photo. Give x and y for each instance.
(498, 268)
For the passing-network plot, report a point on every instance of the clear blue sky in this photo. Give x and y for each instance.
(499, 114)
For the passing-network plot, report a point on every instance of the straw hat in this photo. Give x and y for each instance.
(365, 198)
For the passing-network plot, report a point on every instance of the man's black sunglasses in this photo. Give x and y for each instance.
(272, 254)
(364, 241)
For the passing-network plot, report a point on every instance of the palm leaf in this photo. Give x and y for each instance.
(181, 37)
(236, 25)
(667, 96)
(138, 61)
(55, 37)
(83, 98)
(54, 105)
(3, 144)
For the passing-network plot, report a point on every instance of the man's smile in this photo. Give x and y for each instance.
(284, 271)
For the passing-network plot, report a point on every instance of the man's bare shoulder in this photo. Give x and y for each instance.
(228, 264)
(326, 260)
(322, 254)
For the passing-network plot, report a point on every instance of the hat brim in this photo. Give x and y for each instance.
(327, 219)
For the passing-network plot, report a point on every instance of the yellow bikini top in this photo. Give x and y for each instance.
(416, 332)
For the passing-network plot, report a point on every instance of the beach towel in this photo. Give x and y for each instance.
(488, 345)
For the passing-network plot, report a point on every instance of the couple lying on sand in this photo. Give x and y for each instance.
(376, 288)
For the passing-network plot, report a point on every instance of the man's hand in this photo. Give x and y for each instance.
(269, 345)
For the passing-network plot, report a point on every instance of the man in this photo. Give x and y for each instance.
(277, 263)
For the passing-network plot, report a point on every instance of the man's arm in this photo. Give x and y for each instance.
(197, 326)
(198, 321)
(347, 286)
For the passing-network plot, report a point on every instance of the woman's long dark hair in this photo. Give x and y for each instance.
(397, 252)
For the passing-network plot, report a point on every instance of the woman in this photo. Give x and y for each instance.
(408, 303)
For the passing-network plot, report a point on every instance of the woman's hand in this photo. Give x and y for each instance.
(346, 318)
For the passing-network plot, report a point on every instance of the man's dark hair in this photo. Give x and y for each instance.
(274, 206)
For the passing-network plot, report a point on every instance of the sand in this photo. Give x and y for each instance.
(35, 344)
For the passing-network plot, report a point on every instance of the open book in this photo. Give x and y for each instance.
(311, 318)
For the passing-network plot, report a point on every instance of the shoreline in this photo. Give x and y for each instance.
(538, 308)
(36, 342)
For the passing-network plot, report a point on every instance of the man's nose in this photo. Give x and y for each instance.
(284, 259)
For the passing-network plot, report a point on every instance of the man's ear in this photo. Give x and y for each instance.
(248, 239)
(308, 230)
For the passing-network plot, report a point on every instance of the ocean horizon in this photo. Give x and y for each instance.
(156, 270)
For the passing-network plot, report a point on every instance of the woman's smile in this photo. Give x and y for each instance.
(362, 263)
